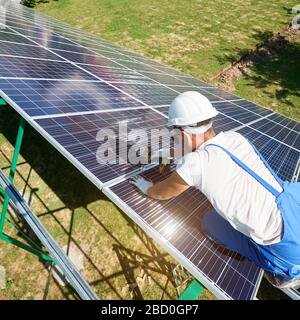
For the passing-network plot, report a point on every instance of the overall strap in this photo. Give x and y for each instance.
(251, 172)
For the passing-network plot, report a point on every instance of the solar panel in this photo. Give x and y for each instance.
(25, 50)
(282, 158)
(86, 58)
(253, 107)
(118, 75)
(12, 37)
(286, 122)
(68, 85)
(235, 111)
(77, 135)
(48, 97)
(19, 67)
(278, 131)
(165, 78)
(151, 95)
(210, 95)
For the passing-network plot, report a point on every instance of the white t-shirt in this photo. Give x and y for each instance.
(235, 195)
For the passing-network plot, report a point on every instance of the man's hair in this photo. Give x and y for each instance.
(204, 123)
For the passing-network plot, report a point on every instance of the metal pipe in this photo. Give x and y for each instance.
(12, 170)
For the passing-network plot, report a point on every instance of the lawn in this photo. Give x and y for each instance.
(197, 37)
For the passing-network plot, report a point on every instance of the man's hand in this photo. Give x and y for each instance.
(142, 184)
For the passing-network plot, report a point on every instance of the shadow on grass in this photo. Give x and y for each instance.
(75, 191)
(32, 3)
(281, 68)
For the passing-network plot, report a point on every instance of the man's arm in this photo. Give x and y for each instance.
(163, 190)
(171, 187)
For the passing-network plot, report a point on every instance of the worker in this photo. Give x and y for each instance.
(255, 213)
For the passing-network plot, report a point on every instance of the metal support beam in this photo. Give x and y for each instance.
(12, 170)
(192, 292)
(20, 244)
(3, 218)
(3, 102)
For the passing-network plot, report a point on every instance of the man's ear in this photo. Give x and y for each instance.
(200, 139)
(188, 142)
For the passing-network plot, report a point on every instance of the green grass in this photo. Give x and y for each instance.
(198, 37)
(275, 83)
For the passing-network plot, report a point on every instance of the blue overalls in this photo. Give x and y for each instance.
(282, 258)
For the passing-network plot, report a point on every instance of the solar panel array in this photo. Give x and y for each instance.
(68, 84)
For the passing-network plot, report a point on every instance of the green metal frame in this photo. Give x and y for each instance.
(192, 292)
(3, 218)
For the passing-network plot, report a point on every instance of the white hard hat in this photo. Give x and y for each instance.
(190, 108)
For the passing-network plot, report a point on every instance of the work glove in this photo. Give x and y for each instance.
(142, 184)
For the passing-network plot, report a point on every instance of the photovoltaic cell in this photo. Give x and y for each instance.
(234, 111)
(71, 48)
(253, 107)
(25, 50)
(221, 93)
(134, 65)
(286, 122)
(279, 132)
(210, 96)
(281, 158)
(12, 37)
(80, 49)
(92, 45)
(46, 97)
(49, 39)
(87, 58)
(22, 26)
(194, 81)
(108, 53)
(17, 67)
(60, 44)
(164, 78)
(149, 94)
(117, 74)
